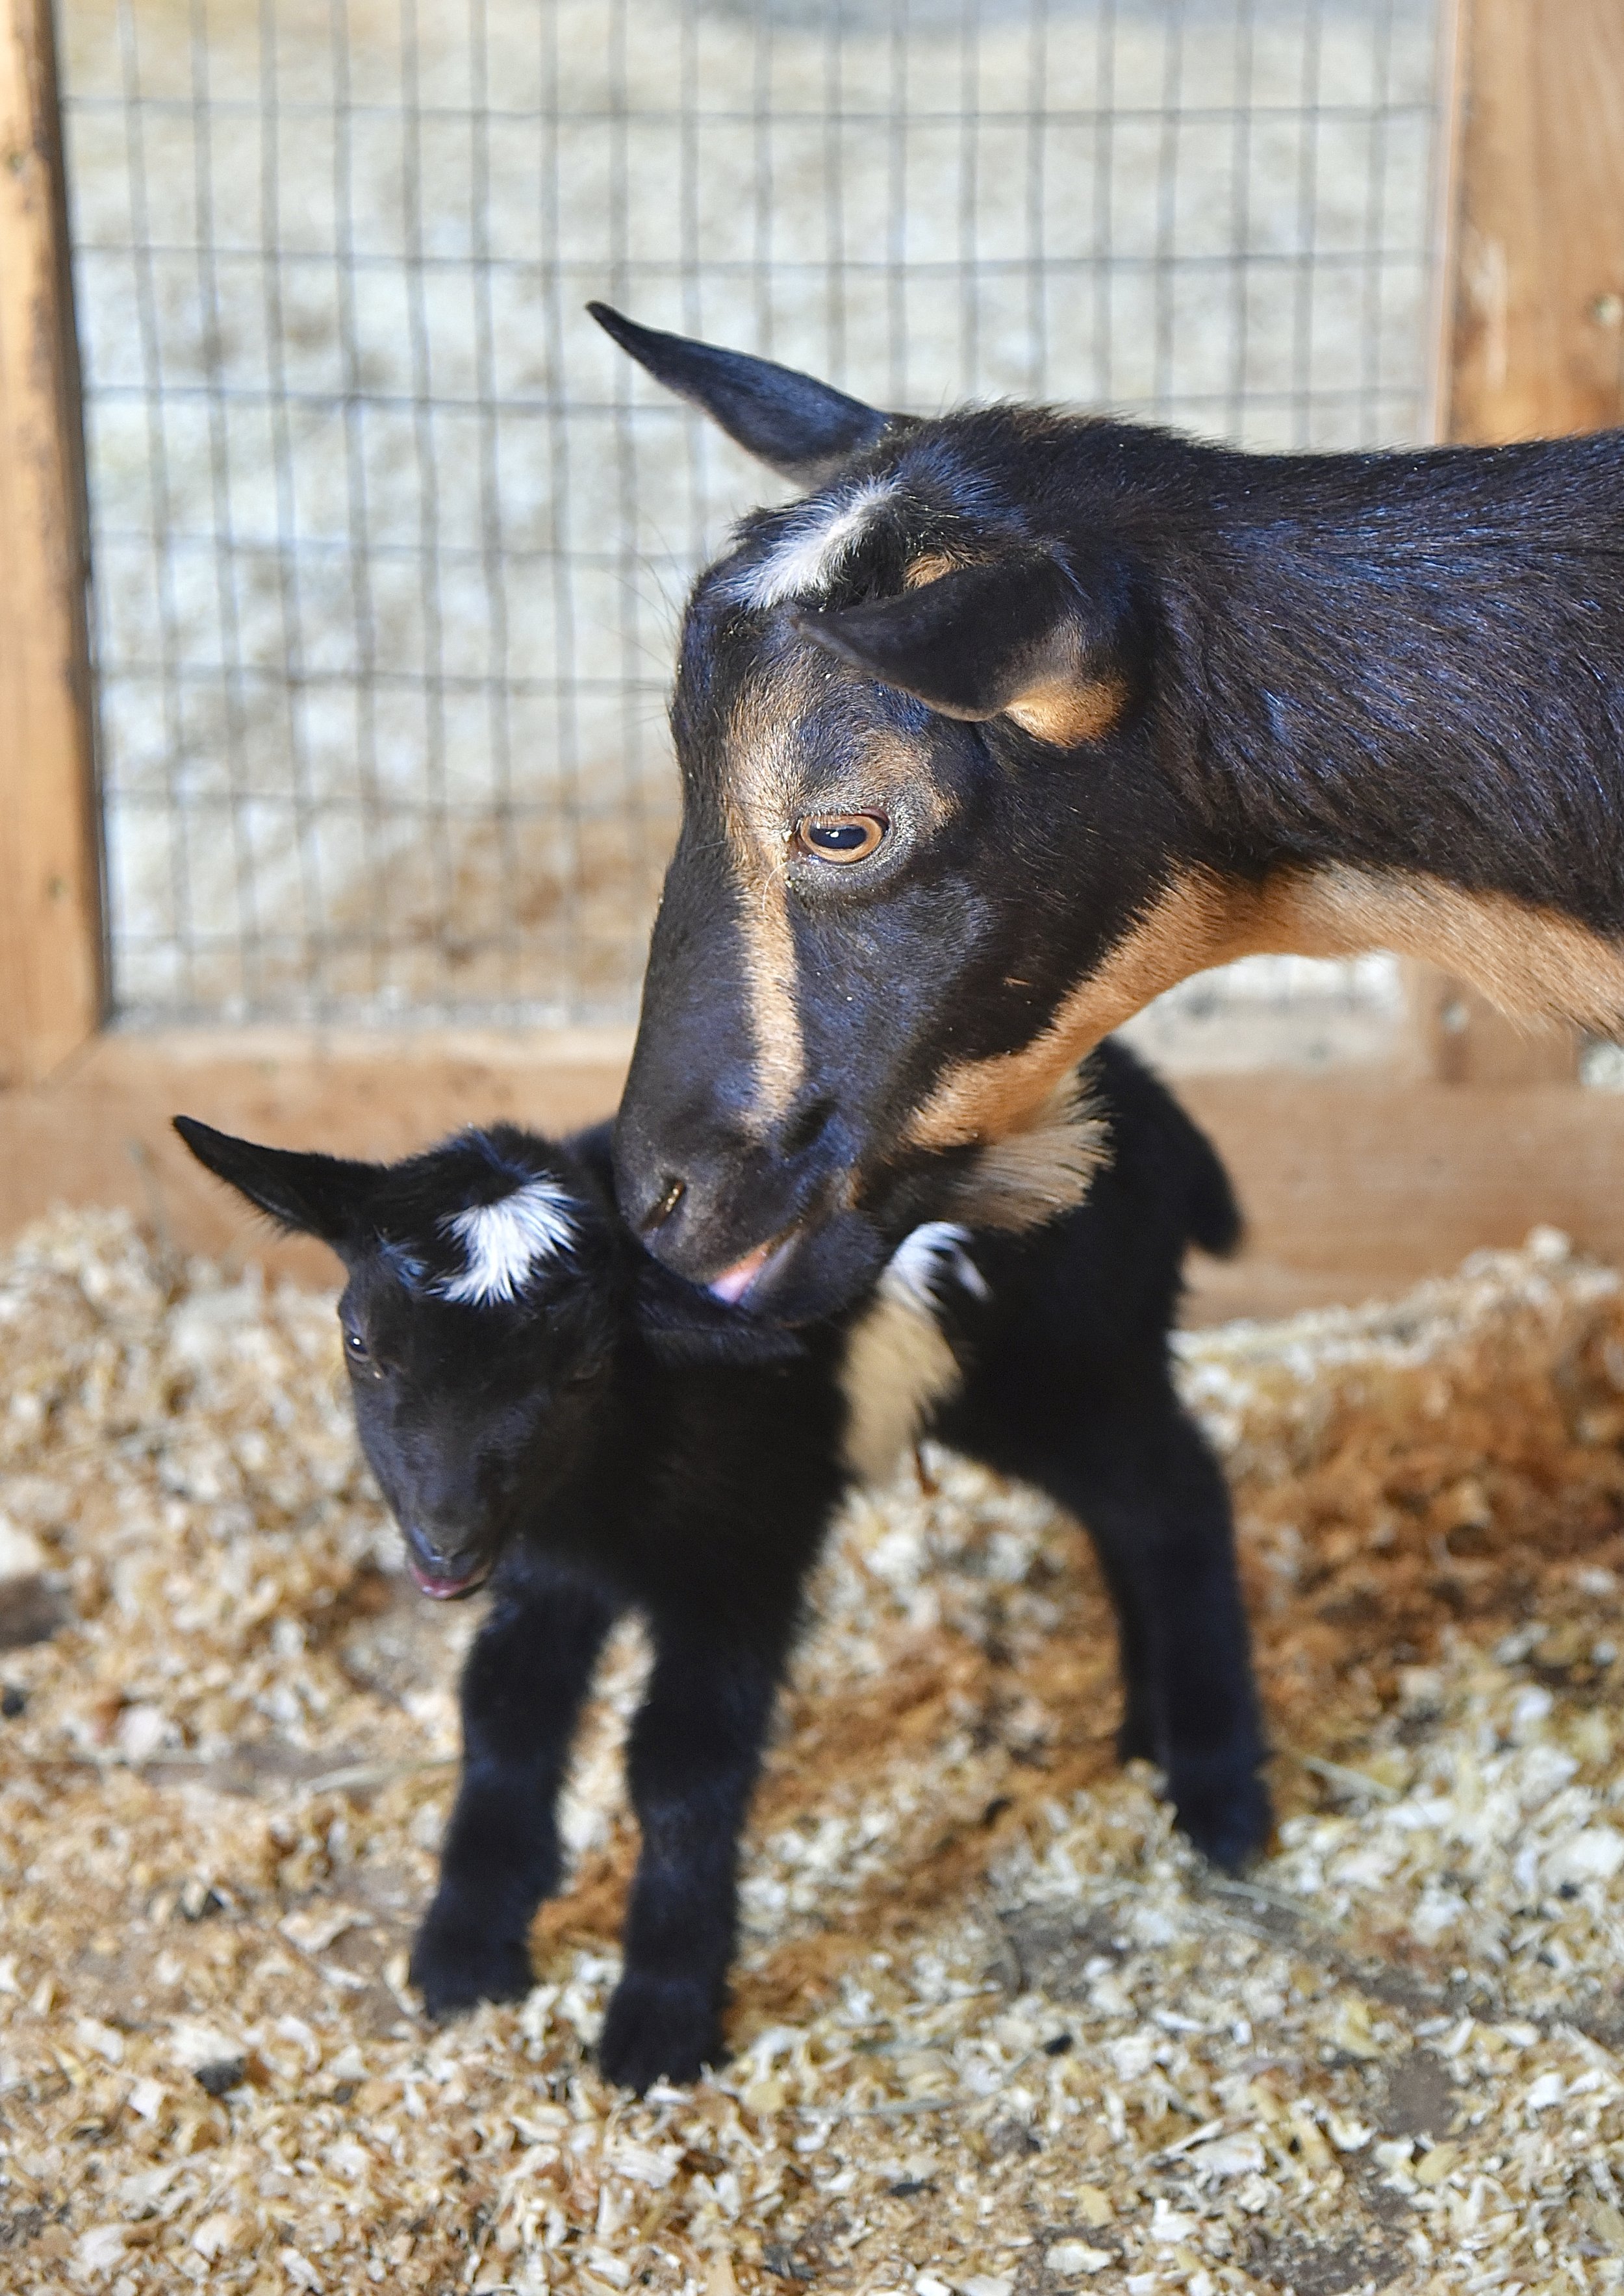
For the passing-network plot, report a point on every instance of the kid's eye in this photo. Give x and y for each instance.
(356, 1349)
(841, 837)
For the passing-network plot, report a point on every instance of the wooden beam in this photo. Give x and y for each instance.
(1354, 1185)
(1532, 327)
(1537, 313)
(51, 970)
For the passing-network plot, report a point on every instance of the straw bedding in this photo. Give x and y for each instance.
(996, 2031)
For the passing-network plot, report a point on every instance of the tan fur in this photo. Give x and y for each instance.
(1067, 711)
(892, 770)
(758, 810)
(930, 567)
(1040, 1171)
(993, 1099)
(1534, 963)
(897, 1367)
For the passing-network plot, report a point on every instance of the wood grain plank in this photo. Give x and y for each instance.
(1537, 308)
(50, 972)
(1353, 1185)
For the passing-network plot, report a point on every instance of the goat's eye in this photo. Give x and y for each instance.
(356, 1349)
(841, 837)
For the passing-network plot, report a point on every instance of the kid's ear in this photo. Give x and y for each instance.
(1022, 637)
(324, 1196)
(801, 428)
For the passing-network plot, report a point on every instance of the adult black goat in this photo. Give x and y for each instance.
(1022, 717)
(544, 1405)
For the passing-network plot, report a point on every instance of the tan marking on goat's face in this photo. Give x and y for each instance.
(1534, 963)
(759, 792)
(894, 772)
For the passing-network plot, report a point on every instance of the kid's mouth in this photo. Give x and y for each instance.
(735, 1285)
(443, 1589)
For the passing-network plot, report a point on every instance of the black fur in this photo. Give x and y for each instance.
(1408, 663)
(606, 1442)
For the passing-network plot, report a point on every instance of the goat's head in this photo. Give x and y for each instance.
(898, 911)
(479, 1322)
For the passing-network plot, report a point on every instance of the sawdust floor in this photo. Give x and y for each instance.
(996, 2031)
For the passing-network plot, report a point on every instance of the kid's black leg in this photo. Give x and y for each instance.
(695, 1750)
(523, 1685)
(1142, 1479)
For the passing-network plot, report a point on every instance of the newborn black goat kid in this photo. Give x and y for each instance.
(545, 1407)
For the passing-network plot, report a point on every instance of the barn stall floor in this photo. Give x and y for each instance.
(996, 2031)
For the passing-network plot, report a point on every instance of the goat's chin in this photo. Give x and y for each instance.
(818, 1272)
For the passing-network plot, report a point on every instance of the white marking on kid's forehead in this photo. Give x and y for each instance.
(923, 1261)
(808, 557)
(506, 1242)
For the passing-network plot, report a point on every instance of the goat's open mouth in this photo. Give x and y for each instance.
(445, 1590)
(735, 1285)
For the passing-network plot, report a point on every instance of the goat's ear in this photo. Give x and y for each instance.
(323, 1196)
(1023, 637)
(804, 429)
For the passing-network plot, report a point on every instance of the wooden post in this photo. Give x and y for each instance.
(1533, 325)
(51, 968)
(1536, 312)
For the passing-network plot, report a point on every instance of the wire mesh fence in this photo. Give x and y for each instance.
(389, 543)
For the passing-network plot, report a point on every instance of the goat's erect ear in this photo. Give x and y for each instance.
(801, 428)
(1020, 636)
(324, 1196)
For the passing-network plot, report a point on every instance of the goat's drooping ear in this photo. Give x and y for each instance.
(1020, 636)
(804, 429)
(323, 1196)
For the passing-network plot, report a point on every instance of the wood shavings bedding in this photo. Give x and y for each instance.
(996, 2031)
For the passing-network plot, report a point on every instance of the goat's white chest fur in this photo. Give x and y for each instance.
(898, 1365)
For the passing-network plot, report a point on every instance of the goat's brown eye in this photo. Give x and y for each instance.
(840, 836)
(356, 1349)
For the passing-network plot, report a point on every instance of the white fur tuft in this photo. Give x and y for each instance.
(931, 1255)
(807, 559)
(506, 1242)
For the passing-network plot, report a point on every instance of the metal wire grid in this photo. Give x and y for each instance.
(389, 544)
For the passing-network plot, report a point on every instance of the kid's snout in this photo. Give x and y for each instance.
(443, 1568)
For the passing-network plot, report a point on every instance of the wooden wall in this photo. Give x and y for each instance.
(51, 970)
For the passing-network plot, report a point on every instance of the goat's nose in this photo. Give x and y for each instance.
(668, 1193)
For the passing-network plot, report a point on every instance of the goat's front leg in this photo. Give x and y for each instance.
(694, 1752)
(526, 1676)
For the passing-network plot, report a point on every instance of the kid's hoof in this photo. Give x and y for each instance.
(455, 1967)
(659, 2029)
(1229, 1818)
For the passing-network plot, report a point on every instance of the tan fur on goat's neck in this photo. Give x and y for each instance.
(899, 1367)
(1044, 1168)
(1534, 963)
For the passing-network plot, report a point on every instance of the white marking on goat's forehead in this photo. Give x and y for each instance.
(806, 559)
(505, 1243)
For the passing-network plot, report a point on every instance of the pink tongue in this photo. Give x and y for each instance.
(731, 1285)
